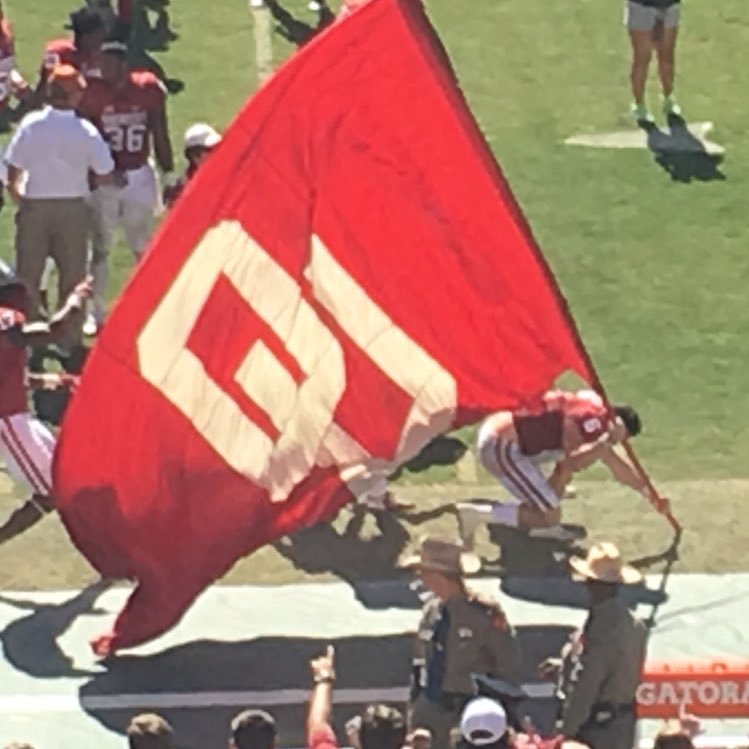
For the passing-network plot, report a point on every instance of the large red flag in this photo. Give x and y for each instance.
(348, 277)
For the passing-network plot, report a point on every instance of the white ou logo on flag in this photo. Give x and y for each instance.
(303, 413)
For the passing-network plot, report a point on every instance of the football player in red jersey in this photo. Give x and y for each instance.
(12, 82)
(129, 108)
(27, 445)
(572, 431)
(82, 51)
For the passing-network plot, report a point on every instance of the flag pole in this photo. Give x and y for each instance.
(597, 384)
(631, 454)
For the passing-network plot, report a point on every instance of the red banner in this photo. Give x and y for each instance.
(346, 278)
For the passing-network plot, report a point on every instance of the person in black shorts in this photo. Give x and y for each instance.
(653, 25)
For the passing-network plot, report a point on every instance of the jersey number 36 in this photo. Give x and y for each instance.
(129, 138)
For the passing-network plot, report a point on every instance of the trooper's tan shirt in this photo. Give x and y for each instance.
(480, 640)
(609, 665)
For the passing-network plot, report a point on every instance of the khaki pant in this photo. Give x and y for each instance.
(432, 715)
(58, 228)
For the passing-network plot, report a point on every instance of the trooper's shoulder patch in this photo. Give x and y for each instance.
(492, 608)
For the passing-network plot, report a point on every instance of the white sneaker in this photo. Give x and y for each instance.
(90, 326)
(470, 517)
(556, 533)
(570, 491)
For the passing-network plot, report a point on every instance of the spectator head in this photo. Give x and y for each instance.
(65, 87)
(253, 729)
(630, 418)
(200, 140)
(382, 727)
(114, 62)
(483, 725)
(604, 571)
(16, 744)
(441, 564)
(89, 30)
(673, 736)
(421, 738)
(150, 731)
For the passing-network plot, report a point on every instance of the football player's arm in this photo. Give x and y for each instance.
(11, 41)
(27, 515)
(624, 473)
(585, 456)
(60, 324)
(162, 145)
(36, 99)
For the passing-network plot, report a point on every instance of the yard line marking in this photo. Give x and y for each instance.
(263, 42)
(690, 139)
(67, 703)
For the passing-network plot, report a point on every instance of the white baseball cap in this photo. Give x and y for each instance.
(201, 135)
(483, 722)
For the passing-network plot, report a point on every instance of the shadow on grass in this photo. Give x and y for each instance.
(151, 31)
(522, 556)
(346, 554)
(30, 643)
(681, 155)
(229, 671)
(294, 30)
(441, 451)
(538, 571)
(357, 559)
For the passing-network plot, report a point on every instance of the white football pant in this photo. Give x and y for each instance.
(26, 448)
(134, 208)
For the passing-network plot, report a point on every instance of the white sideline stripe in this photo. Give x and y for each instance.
(263, 34)
(68, 703)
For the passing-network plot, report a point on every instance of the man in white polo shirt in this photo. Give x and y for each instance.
(55, 152)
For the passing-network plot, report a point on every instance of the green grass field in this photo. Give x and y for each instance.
(655, 269)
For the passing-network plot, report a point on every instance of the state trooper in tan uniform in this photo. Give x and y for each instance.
(461, 633)
(601, 668)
